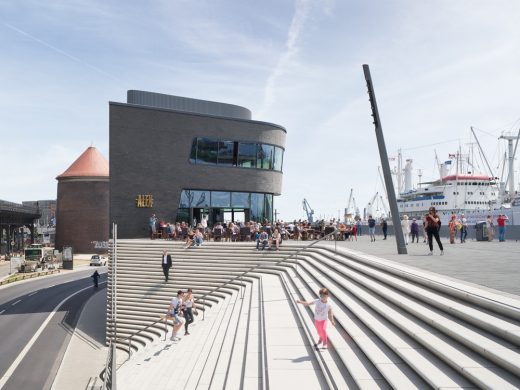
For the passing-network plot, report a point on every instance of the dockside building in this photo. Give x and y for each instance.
(183, 159)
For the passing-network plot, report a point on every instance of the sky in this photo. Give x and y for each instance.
(438, 68)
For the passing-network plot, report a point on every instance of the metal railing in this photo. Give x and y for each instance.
(109, 379)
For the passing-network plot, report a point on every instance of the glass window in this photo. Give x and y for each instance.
(201, 199)
(257, 207)
(225, 152)
(247, 155)
(265, 156)
(183, 215)
(240, 199)
(268, 211)
(193, 154)
(194, 198)
(220, 199)
(207, 151)
(278, 158)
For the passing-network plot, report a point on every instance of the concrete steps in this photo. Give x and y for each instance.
(397, 327)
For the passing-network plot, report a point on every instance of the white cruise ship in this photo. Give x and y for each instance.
(477, 196)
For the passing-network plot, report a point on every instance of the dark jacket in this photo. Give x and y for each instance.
(168, 261)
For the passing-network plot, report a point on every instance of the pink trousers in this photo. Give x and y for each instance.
(321, 327)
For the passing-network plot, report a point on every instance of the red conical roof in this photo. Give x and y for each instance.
(90, 164)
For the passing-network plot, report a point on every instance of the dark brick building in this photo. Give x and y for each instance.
(184, 159)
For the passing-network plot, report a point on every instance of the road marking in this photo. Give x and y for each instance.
(2, 311)
(18, 301)
(29, 345)
(31, 294)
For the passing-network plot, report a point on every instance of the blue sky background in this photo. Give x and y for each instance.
(438, 67)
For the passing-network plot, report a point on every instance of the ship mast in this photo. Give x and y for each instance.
(511, 158)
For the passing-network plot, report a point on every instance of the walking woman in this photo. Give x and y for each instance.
(452, 227)
(322, 311)
(433, 224)
(189, 307)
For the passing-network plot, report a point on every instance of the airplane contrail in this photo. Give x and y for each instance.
(57, 50)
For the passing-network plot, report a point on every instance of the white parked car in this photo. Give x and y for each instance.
(98, 260)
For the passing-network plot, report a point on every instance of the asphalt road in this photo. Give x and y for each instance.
(23, 309)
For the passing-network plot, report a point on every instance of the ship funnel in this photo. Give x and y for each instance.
(444, 171)
(408, 176)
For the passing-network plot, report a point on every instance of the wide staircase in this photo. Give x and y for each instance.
(396, 327)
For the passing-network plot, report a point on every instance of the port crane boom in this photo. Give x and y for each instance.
(308, 210)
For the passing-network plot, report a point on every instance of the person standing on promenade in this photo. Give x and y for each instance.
(452, 227)
(384, 228)
(322, 311)
(152, 223)
(371, 228)
(358, 226)
(501, 222)
(189, 307)
(166, 265)
(414, 229)
(433, 224)
(405, 225)
(463, 228)
(490, 228)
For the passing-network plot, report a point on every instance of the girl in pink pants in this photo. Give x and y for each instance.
(322, 311)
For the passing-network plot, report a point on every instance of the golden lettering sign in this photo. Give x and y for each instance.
(144, 201)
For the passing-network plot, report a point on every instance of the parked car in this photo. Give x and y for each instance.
(98, 260)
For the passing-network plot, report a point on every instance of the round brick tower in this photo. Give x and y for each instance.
(83, 204)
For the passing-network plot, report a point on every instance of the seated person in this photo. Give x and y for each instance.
(190, 238)
(198, 238)
(218, 230)
(275, 239)
(262, 239)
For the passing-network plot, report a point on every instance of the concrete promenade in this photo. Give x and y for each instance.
(495, 265)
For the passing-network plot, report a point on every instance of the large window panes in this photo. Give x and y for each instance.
(278, 158)
(257, 207)
(240, 199)
(226, 153)
(265, 156)
(247, 155)
(207, 151)
(195, 198)
(220, 199)
(183, 215)
(268, 209)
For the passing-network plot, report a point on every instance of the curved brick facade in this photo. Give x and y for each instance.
(82, 214)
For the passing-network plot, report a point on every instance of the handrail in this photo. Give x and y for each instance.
(143, 329)
(109, 380)
(203, 298)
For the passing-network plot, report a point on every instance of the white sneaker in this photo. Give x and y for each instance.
(442, 253)
(431, 253)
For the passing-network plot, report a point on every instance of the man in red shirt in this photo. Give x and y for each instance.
(501, 222)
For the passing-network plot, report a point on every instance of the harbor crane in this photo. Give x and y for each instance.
(370, 205)
(308, 210)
